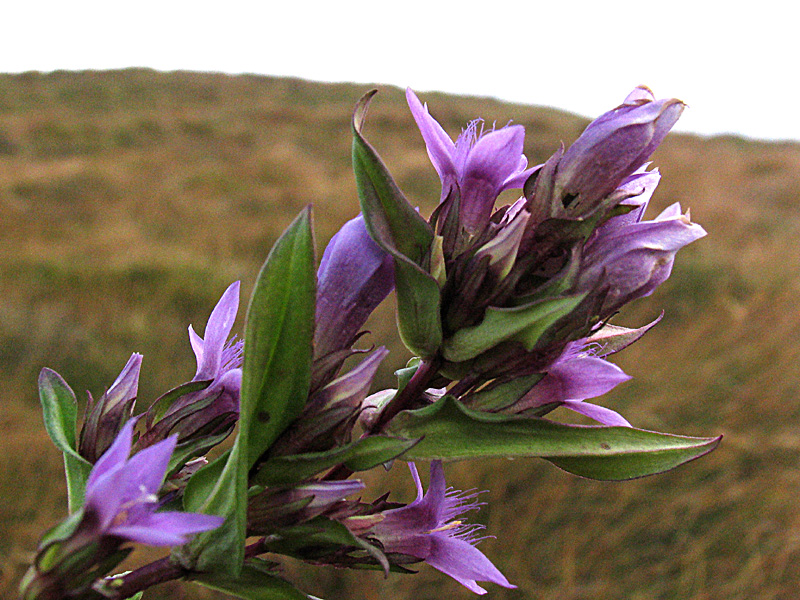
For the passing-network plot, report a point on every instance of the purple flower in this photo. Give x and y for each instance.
(122, 496)
(628, 258)
(354, 276)
(573, 377)
(613, 146)
(429, 529)
(210, 413)
(219, 358)
(479, 165)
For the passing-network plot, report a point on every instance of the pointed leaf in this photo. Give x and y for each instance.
(276, 371)
(400, 230)
(219, 488)
(360, 455)
(390, 219)
(251, 584)
(525, 324)
(60, 420)
(276, 374)
(452, 431)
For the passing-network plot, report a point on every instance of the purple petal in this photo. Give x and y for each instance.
(439, 145)
(575, 378)
(639, 94)
(463, 562)
(603, 415)
(217, 331)
(108, 477)
(197, 345)
(354, 276)
(115, 456)
(126, 385)
(145, 472)
(326, 493)
(166, 528)
(615, 145)
(493, 160)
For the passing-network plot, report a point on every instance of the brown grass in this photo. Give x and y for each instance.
(130, 199)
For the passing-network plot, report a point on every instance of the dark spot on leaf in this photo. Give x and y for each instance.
(263, 416)
(605, 446)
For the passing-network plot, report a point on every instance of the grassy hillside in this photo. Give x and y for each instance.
(130, 199)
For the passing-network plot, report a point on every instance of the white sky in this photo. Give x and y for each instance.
(734, 63)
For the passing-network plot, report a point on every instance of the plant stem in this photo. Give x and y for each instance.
(427, 370)
(156, 572)
(418, 383)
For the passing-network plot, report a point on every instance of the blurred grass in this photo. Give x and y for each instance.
(130, 199)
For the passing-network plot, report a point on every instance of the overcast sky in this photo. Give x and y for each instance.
(735, 67)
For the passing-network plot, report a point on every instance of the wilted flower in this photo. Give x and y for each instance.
(105, 417)
(284, 507)
(331, 412)
(122, 496)
(429, 530)
(478, 166)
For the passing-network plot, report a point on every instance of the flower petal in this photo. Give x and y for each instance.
(463, 562)
(115, 456)
(354, 276)
(601, 414)
(217, 331)
(166, 528)
(145, 472)
(439, 145)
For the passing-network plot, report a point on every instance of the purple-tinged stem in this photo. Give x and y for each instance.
(418, 383)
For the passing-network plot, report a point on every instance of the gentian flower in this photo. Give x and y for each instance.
(613, 146)
(579, 373)
(354, 277)
(122, 496)
(628, 259)
(219, 358)
(429, 529)
(210, 412)
(479, 165)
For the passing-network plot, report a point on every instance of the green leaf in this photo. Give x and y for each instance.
(390, 219)
(251, 584)
(276, 373)
(452, 431)
(60, 420)
(360, 455)
(400, 230)
(219, 488)
(525, 324)
(279, 333)
(418, 308)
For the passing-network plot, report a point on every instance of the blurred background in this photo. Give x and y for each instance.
(130, 199)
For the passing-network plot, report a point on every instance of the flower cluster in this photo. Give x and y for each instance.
(507, 310)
